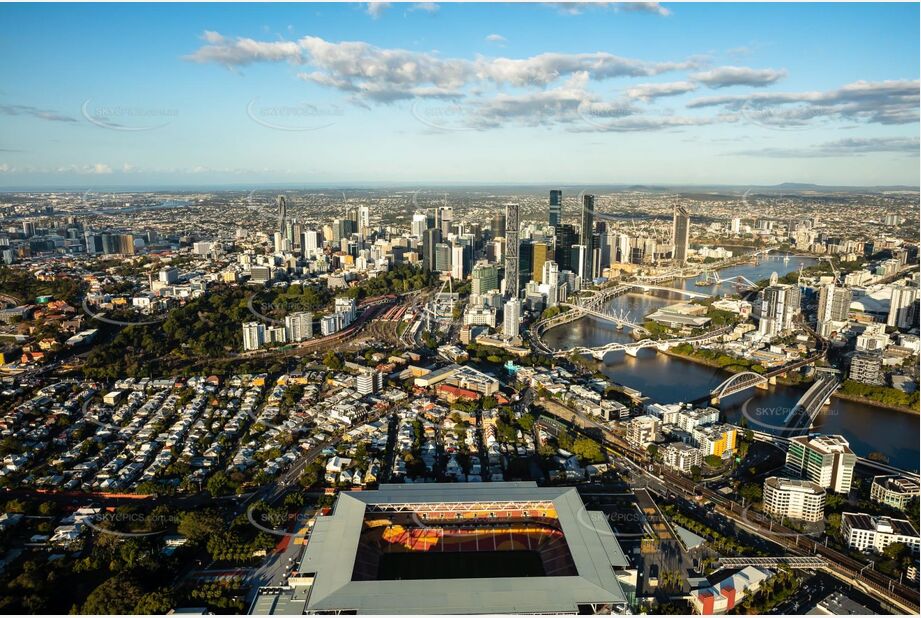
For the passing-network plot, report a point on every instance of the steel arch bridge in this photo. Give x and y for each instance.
(737, 383)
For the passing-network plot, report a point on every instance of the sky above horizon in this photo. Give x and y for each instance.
(179, 95)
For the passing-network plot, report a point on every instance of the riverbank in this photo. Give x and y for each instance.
(788, 382)
(876, 404)
(726, 368)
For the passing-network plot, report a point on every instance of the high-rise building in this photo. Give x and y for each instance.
(540, 254)
(565, 238)
(311, 242)
(735, 225)
(299, 326)
(780, 302)
(430, 238)
(446, 218)
(497, 225)
(903, 307)
(485, 277)
(834, 303)
(364, 221)
(459, 260)
(586, 234)
(442, 257)
(512, 284)
(511, 321)
(825, 460)
(253, 335)
(282, 204)
(419, 224)
(525, 262)
(556, 207)
(681, 228)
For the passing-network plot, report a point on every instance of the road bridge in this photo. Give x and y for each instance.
(659, 288)
(802, 416)
(632, 348)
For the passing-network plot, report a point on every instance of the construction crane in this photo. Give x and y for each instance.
(834, 270)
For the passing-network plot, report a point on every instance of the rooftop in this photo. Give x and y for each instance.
(327, 564)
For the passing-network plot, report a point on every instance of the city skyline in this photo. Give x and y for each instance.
(690, 94)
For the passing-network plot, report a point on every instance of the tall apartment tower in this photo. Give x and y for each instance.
(834, 303)
(681, 228)
(556, 207)
(512, 284)
(511, 321)
(585, 238)
(903, 307)
(779, 303)
(282, 212)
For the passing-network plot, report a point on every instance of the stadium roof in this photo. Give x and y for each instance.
(330, 557)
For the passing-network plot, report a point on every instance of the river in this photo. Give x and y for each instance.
(668, 379)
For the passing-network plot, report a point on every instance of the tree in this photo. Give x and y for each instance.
(714, 461)
(897, 551)
(116, 595)
(198, 525)
(155, 603)
(332, 361)
(587, 449)
(653, 450)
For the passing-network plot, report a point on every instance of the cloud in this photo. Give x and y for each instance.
(577, 8)
(849, 147)
(495, 38)
(546, 68)
(387, 75)
(242, 51)
(427, 7)
(721, 77)
(6, 168)
(886, 102)
(649, 92)
(643, 7)
(376, 9)
(35, 112)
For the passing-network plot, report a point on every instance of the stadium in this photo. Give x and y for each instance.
(445, 548)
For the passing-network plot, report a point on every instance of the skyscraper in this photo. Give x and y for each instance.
(585, 238)
(511, 321)
(430, 238)
(556, 207)
(681, 227)
(564, 239)
(834, 303)
(780, 302)
(540, 253)
(512, 285)
(903, 307)
(419, 224)
(497, 226)
(485, 277)
(282, 212)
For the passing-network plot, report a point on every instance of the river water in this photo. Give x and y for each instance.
(668, 379)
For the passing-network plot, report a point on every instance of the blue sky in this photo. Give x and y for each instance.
(174, 95)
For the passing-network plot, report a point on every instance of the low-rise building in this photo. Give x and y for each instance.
(895, 491)
(865, 532)
(682, 457)
(794, 499)
(642, 430)
(721, 597)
